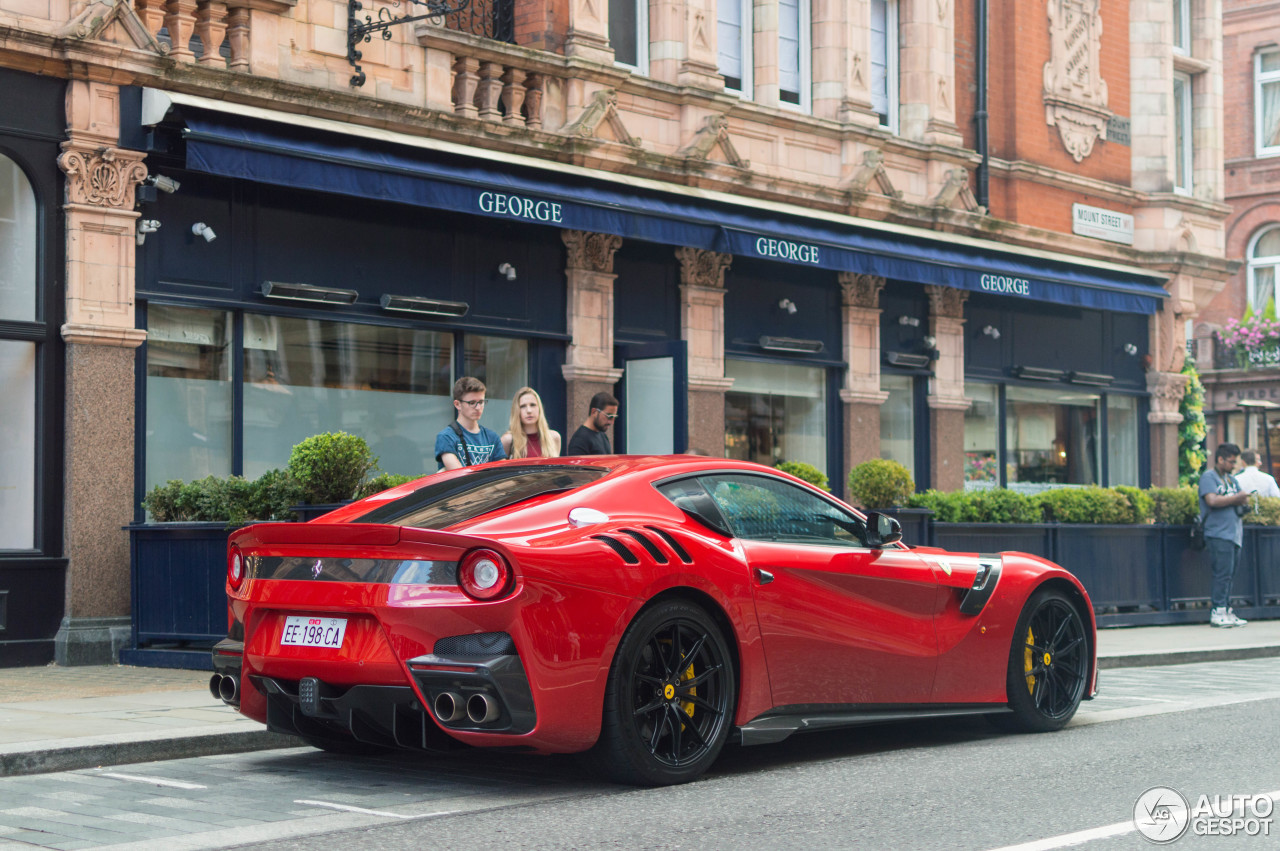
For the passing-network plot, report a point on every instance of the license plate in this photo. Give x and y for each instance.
(313, 632)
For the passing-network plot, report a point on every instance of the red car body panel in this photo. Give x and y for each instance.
(808, 625)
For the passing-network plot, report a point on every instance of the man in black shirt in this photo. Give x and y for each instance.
(592, 436)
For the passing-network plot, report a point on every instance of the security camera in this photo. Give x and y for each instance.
(507, 270)
(201, 229)
(165, 184)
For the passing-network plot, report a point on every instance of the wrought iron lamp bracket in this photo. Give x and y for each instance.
(362, 31)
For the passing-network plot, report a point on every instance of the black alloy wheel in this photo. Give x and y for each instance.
(669, 700)
(1048, 664)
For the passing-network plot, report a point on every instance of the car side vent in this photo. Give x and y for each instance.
(672, 542)
(618, 547)
(480, 644)
(658, 555)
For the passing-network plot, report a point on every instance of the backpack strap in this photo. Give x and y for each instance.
(466, 452)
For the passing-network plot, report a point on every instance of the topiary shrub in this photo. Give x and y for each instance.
(805, 472)
(382, 482)
(329, 467)
(1174, 506)
(880, 483)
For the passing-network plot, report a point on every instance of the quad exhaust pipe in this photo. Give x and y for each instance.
(450, 707)
(481, 709)
(478, 708)
(225, 687)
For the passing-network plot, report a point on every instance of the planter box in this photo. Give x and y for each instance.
(1120, 566)
(178, 573)
(1264, 550)
(1034, 538)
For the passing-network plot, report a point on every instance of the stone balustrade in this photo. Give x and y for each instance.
(207, 32)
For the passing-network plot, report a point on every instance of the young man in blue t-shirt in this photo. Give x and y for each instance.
(465, 443)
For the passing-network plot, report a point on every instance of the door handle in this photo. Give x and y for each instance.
(764, 577)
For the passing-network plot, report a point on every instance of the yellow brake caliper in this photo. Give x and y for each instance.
(687, 705)
(1027, 661)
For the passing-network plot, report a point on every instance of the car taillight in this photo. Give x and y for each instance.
(235, 568)
(484, 575)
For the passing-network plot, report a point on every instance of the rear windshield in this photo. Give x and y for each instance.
(442, 504)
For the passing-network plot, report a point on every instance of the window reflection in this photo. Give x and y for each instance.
(1051, 437)
(897, 421)
(776, 412)
(189, 394)
(982, 437)
(391, 386)
(17, 244)
(17, 450)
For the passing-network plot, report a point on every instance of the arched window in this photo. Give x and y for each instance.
(1264, 267)
(18, 257)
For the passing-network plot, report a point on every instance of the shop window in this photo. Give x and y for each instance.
(1051, 437)
(17, 244)
(18, 449)
(391, 386)
(629, 33)
(189, 427)
(897, 421)
(794, 57)
(1267, 102)
(733, 43)
(776, 412)
(1264, 269)
(982, 437)
(1122, 440)
(884, 62)
(1183, 149)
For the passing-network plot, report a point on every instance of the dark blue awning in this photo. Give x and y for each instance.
(275, 153)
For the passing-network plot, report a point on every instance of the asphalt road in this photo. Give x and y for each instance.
(1200, 729)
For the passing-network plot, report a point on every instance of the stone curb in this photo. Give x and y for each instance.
(75, 757)
(1184, 657)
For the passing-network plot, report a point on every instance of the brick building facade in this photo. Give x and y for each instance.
(769, 227)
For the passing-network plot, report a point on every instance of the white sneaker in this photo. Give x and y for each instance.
(1218, 617)
(1235, 620)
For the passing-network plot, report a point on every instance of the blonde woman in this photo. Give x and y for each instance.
(530, 436)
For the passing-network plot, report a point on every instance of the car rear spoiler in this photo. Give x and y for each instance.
(352, 535)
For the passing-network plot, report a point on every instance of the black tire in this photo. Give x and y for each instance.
(668, 704)
(1048, 665)
(346, 746)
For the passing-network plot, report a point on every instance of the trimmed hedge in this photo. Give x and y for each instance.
(323, 469)
(1120, 505)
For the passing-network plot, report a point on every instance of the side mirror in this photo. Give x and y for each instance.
(882, 530)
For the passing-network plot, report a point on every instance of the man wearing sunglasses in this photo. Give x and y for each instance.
(592, 437)
(464, 442)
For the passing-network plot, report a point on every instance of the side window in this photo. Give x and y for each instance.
(765, 509)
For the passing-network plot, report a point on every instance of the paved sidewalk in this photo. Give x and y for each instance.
(59, 719)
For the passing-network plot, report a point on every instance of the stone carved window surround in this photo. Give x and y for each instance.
(1075, 95)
